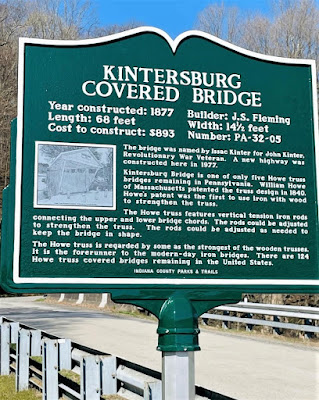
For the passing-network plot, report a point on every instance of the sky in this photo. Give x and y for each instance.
(172, 16)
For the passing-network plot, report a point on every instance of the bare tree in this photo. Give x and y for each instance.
(115, 28)
(291, 30)
(296, 29)
(11, 20)
(59, 19)
(220, 21)
(257, 34)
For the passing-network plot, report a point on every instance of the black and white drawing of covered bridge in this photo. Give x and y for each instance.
(72, 172)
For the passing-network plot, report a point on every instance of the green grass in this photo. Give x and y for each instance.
(70, 375)
(38, 359)
(7, 390)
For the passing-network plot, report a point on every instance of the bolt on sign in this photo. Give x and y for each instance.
(141, 161)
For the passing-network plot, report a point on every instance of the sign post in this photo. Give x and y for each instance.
(174, 174)
(178, 375)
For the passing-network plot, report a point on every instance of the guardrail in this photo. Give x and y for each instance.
(245, 311)
(242, 313)
(62, 368)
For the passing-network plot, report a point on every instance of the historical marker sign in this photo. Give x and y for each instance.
(145, 161)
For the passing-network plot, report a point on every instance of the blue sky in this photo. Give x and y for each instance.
(173, 16)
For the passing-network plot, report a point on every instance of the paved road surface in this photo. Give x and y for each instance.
(236, 366)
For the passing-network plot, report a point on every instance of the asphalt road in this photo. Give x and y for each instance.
(236, 366)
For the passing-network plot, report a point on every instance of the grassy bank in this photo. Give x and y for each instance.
(7, 390)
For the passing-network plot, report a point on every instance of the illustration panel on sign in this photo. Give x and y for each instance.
(74, 175)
